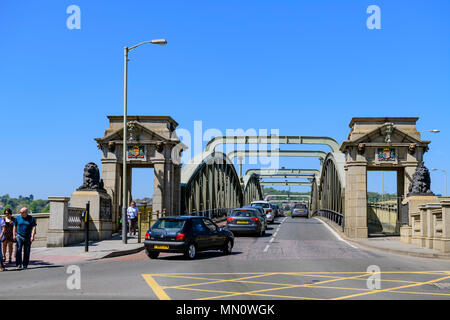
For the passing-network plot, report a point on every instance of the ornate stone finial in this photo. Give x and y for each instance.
(421, 183)
(133, 132)
(91, 178)
(388, 132)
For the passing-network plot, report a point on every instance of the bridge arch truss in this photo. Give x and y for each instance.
(209, 183)
(328, 193)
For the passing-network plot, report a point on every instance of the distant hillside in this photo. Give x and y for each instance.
(371, 196)
(34, 206)
(269, 190)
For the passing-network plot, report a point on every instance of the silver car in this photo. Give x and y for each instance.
(270, 214)
(300, 210)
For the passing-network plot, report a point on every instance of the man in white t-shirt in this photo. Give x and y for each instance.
(132, 213)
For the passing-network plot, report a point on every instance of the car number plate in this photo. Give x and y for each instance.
(242, 222)
(161, 247)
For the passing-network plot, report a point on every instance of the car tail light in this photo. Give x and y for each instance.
(269, 211)
(231, 219)
(180, 237)
(255, 219)
(147, 236)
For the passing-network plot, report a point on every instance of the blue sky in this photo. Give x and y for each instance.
(303, 67)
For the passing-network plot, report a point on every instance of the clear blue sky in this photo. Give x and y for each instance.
(303, 67)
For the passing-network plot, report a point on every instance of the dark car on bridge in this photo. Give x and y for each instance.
(300, 210)
(246, 220)
(187, 235)
(261, 210)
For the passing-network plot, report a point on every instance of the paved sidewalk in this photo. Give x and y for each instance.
(75, 253)
(43, 256)
(389, 244)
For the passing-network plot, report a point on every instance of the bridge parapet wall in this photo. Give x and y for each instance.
(430, 225)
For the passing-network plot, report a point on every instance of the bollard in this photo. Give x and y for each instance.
(86, 227)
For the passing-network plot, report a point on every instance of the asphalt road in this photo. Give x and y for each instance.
(296, 259)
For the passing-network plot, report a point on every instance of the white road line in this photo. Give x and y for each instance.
(336, 234)
(271, 240)
(266, 248)
(275, 234)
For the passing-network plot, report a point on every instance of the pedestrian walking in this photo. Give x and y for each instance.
(8, 241)
(23, 232)
(132, 213)
(2, 231)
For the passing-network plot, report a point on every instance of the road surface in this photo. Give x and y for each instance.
(297, 259)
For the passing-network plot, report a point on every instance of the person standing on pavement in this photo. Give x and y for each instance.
(8, 235)
(23, 232)
(132, 213)
(2, 231)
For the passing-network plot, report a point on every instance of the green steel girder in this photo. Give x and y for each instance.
(216, 141)
(284, 183)
(276, 153)
(286, 196)
(280, 171)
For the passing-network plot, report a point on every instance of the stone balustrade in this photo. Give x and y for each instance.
(430, 225)
(65, 226)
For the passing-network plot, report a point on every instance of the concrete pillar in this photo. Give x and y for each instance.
(445, 240)
(111, 175)
(168, 176)
(158, 187)
(429, 232)
(177, 189)
(129, 184)
(356, 201)
(59, 213)
(408, 175)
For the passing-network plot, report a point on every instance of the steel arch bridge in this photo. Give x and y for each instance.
(252, 189)
(328, 192)
(210, 183)
(211, 186)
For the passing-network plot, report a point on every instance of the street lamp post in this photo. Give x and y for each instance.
(124, 177)
(445, 179)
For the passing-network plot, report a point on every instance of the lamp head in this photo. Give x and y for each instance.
(161, 42)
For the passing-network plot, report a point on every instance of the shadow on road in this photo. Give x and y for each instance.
(200, 256)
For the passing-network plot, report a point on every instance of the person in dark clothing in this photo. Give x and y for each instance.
(2, 230)
(23, 232)
(8, 235)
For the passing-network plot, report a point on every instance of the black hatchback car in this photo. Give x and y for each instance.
(187, 235)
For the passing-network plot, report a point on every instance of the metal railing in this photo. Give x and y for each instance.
(336, 217)
(74, 219)
(213, 213)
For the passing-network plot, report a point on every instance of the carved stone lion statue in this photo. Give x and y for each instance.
(91, 178)
(421, 182)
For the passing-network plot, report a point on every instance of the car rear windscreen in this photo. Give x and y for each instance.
(170, 225)
(264, 205)
(300, 206)
(243, 213)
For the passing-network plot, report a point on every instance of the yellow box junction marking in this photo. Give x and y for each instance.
(215, 278)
